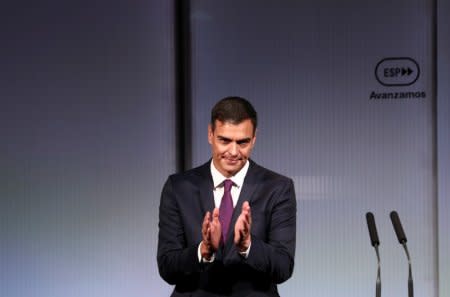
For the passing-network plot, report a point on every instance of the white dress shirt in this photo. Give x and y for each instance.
(218, 179)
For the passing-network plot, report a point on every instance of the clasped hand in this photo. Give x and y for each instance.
(212, 231)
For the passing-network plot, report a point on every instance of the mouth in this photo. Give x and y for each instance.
(232, 161)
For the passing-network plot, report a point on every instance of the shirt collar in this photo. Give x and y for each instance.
(238, 178)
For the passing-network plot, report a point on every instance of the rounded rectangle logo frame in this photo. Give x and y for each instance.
(397, 71)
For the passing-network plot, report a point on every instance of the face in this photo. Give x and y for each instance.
(231, 145)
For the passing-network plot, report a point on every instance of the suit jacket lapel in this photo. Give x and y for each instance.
(206, 188)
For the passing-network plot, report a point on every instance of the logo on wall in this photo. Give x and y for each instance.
(397, 72)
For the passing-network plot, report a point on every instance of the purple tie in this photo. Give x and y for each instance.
(226, 208)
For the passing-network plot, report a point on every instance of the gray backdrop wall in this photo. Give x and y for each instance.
(88, 136)
(443, 148)
(351, 142)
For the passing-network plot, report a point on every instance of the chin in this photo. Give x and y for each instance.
(233, 169)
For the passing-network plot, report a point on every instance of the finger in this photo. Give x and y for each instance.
(244, 216)
(245, 207)
(215, 215)
(248, 220)
(205, 221)
(207, 216)
(241, 225)
(246, 210)
(237, 236)
(243, 235)
(245, 226)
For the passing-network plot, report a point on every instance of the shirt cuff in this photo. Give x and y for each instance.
(245, 253)
(203, 260)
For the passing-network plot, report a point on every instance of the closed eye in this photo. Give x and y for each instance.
(224, 140)
(243, 142)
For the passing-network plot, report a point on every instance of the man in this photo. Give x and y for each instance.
(227, 228)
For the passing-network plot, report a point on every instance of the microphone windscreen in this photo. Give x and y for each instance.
(372, 229)
(398, 227)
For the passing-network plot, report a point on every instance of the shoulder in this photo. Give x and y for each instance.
(191, 176)
(266, 175)
(275, 187)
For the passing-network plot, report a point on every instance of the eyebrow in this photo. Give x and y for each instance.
(239, 141)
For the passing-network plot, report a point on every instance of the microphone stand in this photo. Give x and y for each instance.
(402, 240)
(410, 279)
(378, 282)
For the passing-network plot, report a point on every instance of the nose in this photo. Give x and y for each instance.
(233, 149)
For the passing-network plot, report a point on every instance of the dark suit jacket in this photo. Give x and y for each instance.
(185, 199)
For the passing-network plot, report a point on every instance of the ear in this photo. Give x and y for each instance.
(254, 138)
(210, 134)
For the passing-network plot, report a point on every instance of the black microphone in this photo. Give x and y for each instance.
(372, 229)
(398, 227)
(402, 240)
(375, 243)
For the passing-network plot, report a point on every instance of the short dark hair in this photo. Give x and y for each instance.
(233, 110)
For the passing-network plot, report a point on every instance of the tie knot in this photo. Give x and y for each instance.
(227, 185)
